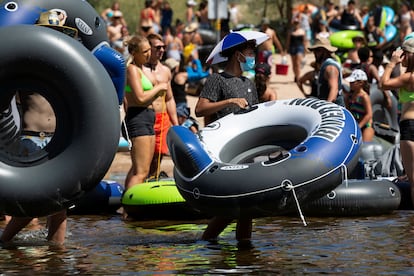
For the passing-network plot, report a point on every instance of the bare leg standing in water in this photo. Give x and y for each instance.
(39, 124)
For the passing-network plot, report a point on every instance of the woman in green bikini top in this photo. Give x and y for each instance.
(405, 95)
(140, 91)
(145, 82)
(140, 116)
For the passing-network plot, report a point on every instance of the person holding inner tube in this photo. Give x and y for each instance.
(140, 114)
(405, 84)
(222, 94)
(39, 124)
(164, 107)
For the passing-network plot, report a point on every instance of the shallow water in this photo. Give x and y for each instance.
(280, 245)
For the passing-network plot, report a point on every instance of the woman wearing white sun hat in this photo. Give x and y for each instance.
(359, 103)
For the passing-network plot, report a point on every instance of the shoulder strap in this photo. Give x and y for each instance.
(331, 61)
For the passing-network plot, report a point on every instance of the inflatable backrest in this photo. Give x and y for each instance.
(371, 151)
(184, 146)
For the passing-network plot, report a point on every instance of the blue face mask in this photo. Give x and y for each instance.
(249, 64)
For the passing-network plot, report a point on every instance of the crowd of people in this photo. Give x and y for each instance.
(345, 82)
(162, 58)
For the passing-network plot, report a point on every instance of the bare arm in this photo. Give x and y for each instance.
(276, 41)
(288, 40)
(368, 111)
(205, 107)
(359, 19)
(347, 96)
(394, 83)
(305, 79)
(332, 75)
(170, 102)
(134, 80)
(387, 99)
(384, 39)
(272, 94)
(374, 73)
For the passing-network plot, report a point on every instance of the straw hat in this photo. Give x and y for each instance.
(52, 20)
(191, 28)
(171, 63)
(322, 42)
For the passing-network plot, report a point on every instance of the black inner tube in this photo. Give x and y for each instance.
(262, 141)
(86, 137)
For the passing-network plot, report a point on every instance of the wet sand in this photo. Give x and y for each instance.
(284, 85)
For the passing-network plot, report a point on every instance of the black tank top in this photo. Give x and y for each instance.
(296, 40)
(178, 92)
(348, 19)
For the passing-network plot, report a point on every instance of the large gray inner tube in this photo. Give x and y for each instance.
(82, 95)
(385, 121)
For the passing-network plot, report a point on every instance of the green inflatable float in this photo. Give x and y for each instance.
(158, 199)
(343, 39)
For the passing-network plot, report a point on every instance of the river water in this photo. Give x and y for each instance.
(107, 245)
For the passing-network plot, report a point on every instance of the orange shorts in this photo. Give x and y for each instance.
(161, 126)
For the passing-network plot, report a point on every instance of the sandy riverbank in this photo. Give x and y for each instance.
(284, 85)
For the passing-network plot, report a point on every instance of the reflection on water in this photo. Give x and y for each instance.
(280, 245)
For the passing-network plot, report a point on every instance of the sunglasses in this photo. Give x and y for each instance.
(159, 47)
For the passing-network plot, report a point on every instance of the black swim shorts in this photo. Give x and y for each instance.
(140, 121)
(407, 130)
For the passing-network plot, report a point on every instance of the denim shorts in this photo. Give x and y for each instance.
(297, 50)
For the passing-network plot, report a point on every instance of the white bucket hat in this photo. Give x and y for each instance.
(357, 75)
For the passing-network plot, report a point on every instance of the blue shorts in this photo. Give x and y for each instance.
(183, 110)
(139, 122)
(296, 50)
(31, 143)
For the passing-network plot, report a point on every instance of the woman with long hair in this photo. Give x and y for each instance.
(405, 84)
(262, 81)
(140, 114)
(296, 47)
